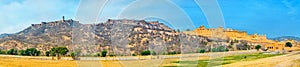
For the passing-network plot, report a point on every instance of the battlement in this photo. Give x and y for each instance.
(52, 23)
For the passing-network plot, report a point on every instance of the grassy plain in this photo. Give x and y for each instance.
(225, 60)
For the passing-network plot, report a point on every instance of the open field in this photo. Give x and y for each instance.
(226, 60)
(256, 59)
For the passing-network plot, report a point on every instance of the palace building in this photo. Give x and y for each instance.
(240, 35)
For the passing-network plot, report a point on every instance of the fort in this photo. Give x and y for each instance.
(52, 23)
(231, 34)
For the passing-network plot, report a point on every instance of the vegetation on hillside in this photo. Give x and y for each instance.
(257, 47)
(288, 44)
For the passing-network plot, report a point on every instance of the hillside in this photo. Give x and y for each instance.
(282, 38)
(121, 37)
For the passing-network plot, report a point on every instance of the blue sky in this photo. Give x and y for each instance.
(271, 17)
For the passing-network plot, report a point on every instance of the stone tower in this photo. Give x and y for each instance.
(63, 18)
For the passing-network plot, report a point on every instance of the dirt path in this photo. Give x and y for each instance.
(277, 61)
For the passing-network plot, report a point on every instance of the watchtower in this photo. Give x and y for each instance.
(63, 18)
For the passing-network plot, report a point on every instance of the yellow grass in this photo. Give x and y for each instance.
(23, 62)
(26, 62)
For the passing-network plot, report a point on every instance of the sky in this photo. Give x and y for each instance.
(271, 17)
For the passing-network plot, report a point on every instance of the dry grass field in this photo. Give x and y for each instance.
(288, 60)
(24, 62)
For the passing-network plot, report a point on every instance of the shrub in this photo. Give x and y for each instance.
(97, 55)
(133, 54)
(48, 53)
(288, 44)
(145, 53)
(73, 55)
(103, 53)
(220, 49)
(2, 52)
(202, 51)
(153, 53)
(257, 47)
(112, 55)
(172, 53)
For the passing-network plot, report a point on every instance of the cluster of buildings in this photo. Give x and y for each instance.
(253, 39)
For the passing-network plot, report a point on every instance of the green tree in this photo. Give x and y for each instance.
(48, 53)
(32, 52)
(73, 55)
(29, 52)
(202, 51)
(2, 52)
(103, 53)
(22, 52)
(12, 52)
(146, 52)
(257, 47)
(288, 44)
(58, 51)
(133, 54)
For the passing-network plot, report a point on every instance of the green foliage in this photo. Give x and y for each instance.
(146, 52)
(57, 51)
(22, 52)
(112, 55)
(2, 52)
(153, 53)
(220, 49)
(12, 52)
(202, 51)
(172, 53)
(97, 55)
(73, 54)
(29, 52)
(133, 54)
(288, 44)
(103, 53)
(47, 53)
(257, 47)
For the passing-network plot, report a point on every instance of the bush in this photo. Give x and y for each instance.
(97, 55)
(153, 53)
(288, 44)
(103, 53)
(172, 53)
(112, 55)
(47, 53)
(12, 52)
(133, 54)
(220, 49)
(145, 53)
(73, 55)
(2, 52)
(202, 51)
(257, 47)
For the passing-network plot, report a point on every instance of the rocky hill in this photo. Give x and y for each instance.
(120, 37)
(282, 38)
